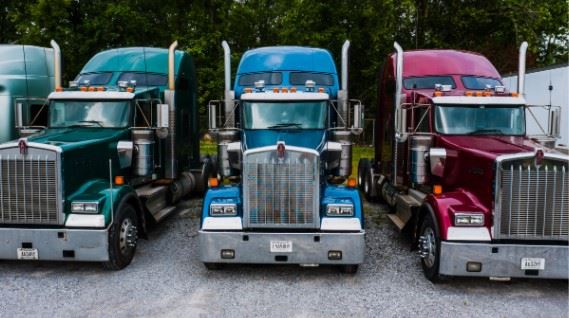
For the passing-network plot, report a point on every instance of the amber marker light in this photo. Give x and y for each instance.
(487, 94)
(275, 89)
(130, 89)
(100, 89)
(59, 89)
(478, 93)
(438, 94)
(321, 90)
(437, 189)
(352, 183)
(514, 94)
(248, 90)
(293, 89)
(468, 93)
(284, 90)
(91, 88)
(119, 180)
(213, 182)
(83, 89)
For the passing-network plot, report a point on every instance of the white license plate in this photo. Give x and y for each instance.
(27, 253)
(281, 246)
(533, 263)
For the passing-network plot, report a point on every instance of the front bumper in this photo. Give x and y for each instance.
(56, 244)
(307, 248)
(503, 260)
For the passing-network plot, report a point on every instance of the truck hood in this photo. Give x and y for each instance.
(313, 138)
(490, 147)
(73, 138)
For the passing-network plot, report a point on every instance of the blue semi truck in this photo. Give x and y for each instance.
(284, 137)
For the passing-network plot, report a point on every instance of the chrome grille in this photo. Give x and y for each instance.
(534, 200)
(28, 189)
(281, 192)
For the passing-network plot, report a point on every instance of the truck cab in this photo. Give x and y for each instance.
(284, 149)
(453, 161)
(26, 79)
(117, 154)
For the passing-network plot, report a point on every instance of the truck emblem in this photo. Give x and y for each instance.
(280, 150)
(539, 157)
(23, 145)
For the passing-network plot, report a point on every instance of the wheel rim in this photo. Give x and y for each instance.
(127, 236)
(429, 246)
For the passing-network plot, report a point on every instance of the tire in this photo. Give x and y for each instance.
(213, 266)
(368, 190)
(430, 243)
(349, 269)
(363, 167)
(123, 238)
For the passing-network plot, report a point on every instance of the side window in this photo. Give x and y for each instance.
(31, 112)
(421, 120)
(143, 113)
(39, 114)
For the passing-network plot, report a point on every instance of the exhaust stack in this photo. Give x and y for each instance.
(343, 93)
(56, 64)
(522, 68)
(171, 169)
(228, 93)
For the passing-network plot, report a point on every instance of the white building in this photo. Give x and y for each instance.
(545, 86)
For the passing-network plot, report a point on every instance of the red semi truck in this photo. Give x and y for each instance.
(454, 163)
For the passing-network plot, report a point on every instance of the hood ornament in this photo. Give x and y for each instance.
(280, 150)
(23, 145)
(539, 157)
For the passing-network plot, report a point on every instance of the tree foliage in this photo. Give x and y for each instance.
(494, 28)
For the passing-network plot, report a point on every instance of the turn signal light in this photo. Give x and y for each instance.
(119, 180)
(437, 189)
(213, 182)
(352, 183)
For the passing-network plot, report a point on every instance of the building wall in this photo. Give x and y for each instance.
(537, 93)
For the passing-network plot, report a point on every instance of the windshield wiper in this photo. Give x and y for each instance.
(285, 125)
(87, 122)
(486, 132)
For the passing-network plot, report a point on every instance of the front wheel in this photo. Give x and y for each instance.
(429, 249)
(363, 167)
(123, 238)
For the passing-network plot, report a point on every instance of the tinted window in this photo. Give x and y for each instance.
(427, 82)
(94, 78)
(269, 78)
(319, 79)
(298, 115)
(144, 79)
(480, 120)
(475, 82)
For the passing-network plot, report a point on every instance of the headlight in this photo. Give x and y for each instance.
(85, 207)
(223, 209)
(469, 219)
(340, 210)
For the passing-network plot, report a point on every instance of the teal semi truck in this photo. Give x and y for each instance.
(119, 151)
(26, 77)
(285, 146)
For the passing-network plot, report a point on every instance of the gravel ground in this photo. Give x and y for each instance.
(166, 279)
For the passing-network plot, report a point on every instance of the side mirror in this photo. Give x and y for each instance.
(555, 123)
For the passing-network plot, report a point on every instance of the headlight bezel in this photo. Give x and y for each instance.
(86, 207)
(219, 209)
(469, 219)
(340, 210)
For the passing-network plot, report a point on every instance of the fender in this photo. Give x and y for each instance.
(442, 208)
(98, 190)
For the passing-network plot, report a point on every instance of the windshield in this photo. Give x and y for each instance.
(275, 115)
(480, 120)
(85, 113)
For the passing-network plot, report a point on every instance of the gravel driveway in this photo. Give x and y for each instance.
(166, 279)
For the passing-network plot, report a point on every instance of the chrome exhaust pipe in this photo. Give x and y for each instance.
(171, 169)
(56, 64)
(522, 68)
(343, 94)
(171, 65)
(228, 97)
(399, 116)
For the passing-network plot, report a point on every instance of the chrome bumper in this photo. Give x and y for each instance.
(503, 260)
(56, 244)
(307, 248)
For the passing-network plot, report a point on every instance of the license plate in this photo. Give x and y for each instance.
(533, 263)
(281, 246)
(27, 253)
